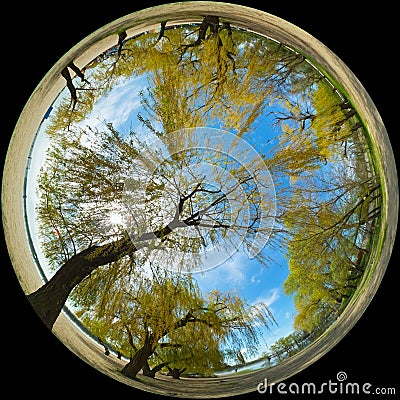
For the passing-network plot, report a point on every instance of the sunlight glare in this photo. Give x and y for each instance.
(116, 219)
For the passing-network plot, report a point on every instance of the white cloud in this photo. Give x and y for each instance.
(229, 275)
(254, 279)
(234, 270)
(119, 107)
(270, 298)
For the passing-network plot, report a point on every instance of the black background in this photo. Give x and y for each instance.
(32, 39)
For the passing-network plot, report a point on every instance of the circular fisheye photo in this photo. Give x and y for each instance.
(199, 199)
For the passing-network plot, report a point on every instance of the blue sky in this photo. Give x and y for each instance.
(257, 284)
(252, 281)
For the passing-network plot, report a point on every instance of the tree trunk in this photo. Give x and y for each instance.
(50, 298)
(176, 372)
(139, 360)
(147, 371)
(121, 37)
(209, 21)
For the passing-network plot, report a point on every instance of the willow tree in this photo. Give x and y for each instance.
(87, 170)
(327, 251)
(86, 85)
(108, 195)
(167, 314)
(106, 200)
(191, 354)
(233, 69)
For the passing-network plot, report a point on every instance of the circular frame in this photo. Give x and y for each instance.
(262, 23)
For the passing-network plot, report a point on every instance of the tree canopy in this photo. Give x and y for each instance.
(169, 317)
(237, 144)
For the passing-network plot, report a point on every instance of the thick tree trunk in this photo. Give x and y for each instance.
(147, 371)
(209, 21)
(139, 359)
(50, 298)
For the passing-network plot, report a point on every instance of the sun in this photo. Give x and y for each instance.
(116, 219)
